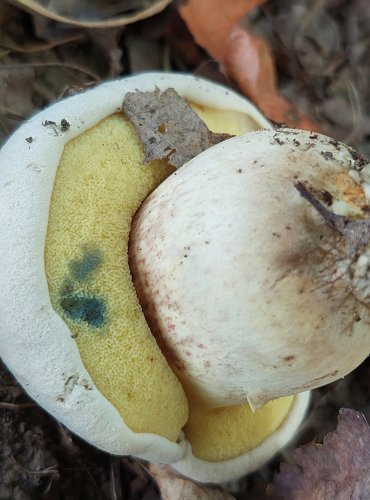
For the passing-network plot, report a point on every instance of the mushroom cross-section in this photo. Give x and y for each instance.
(72, 330)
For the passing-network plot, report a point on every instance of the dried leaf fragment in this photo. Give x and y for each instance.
(339, 468)
(245, 57)
(168, 127)
(174, 487)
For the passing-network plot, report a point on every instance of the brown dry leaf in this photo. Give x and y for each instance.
(339, 468)
(174, 487)
(16, 90)
(322, 50)
(168, 127)
(40, 58)
(246, 57)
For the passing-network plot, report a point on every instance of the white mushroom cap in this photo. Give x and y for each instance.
(35, 343)
(248, 289)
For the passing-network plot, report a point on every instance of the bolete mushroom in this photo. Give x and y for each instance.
(71, 327)
(254, 258)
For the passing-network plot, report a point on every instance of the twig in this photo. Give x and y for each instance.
(16, 406)
(76, 67)
(39, 47)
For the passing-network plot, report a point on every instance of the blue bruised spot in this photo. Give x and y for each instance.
(89, 309)
(81, 269)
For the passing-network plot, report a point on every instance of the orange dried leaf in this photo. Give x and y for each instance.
(246, 57)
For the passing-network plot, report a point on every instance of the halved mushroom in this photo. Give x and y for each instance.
(72, 330)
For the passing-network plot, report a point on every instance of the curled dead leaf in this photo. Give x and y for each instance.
(168, 127)
(339, 468)
(246, 58)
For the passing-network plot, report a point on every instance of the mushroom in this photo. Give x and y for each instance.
(72, 330)
(255, 258)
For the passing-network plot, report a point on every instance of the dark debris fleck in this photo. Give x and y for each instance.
(279, 141)
(47, 123)
(360, 160)
(64, 125)
(328, 155)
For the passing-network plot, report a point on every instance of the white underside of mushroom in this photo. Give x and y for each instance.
(35, 343)
(248, 289)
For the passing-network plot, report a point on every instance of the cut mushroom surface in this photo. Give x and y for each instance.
(100, 183)
(72, 330)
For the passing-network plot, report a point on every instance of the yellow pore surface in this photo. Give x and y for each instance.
(100, 184)
(224, 433)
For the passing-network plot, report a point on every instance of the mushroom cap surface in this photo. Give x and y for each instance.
(249, 291)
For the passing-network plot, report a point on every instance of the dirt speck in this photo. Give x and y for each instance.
(328, 155)
(64, 125)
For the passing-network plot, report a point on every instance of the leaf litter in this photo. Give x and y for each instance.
(339, 468)
(321, 50)
(39, 60)
(168, 127)
(322, 53)
(246, 57)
